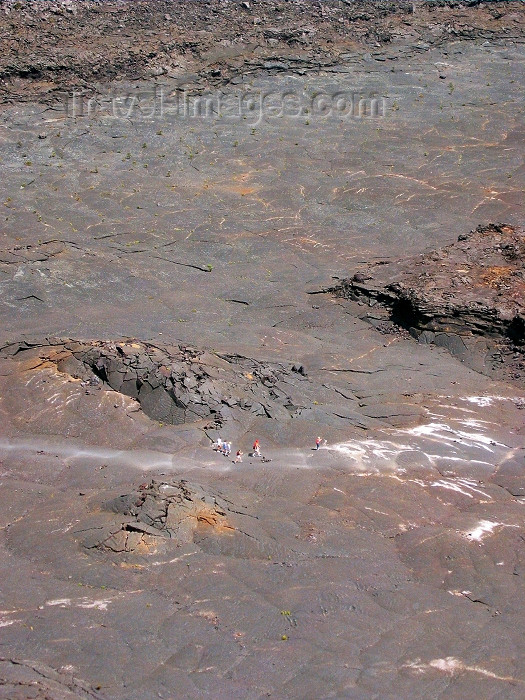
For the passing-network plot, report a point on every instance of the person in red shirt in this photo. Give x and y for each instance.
(257, 448)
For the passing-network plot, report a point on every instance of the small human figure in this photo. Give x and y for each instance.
(238, 456)
(217, 445)
(318, 442)
(257, 448)
(227, 449)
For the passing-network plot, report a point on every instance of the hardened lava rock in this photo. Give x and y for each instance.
(468, 297)
(160, 515)
(171, 510)
(177, 384)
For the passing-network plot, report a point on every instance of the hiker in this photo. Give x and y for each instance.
(217, 445)
(257, 448)
(227, 448)
(318, 442)
(238, 456)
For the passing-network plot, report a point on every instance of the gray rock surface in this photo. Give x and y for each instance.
(387, 564)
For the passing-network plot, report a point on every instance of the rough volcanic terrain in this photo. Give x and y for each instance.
(49, 45)
(468, 297)
(273, 220)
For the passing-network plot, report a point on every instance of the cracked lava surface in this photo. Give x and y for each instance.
(389, 564)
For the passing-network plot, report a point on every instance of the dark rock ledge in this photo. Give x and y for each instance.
(468, 297)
